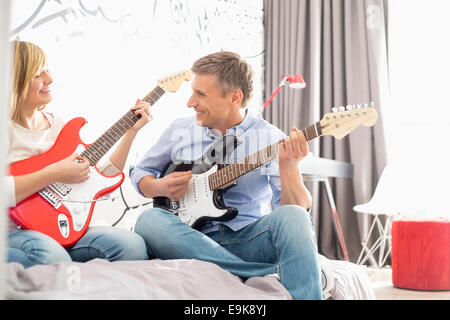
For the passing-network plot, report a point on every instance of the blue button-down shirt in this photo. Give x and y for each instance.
(255, 193)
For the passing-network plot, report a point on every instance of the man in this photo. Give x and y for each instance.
(257, 241)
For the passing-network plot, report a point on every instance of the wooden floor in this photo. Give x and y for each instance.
(384, 289)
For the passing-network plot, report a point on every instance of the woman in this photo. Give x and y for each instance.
(33, 131)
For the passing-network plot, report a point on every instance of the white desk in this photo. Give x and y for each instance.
(321, 170)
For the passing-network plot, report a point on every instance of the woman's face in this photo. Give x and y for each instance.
(39, 93)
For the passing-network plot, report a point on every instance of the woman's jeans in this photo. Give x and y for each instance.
(282, 242)
(30, 248)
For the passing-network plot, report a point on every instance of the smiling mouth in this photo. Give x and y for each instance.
(45, 91)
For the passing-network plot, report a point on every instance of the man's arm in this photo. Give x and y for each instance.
(146, 176)
(291, 151)
(293, 191)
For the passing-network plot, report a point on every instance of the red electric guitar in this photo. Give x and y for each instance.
(63, 211)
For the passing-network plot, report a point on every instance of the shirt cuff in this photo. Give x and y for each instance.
(136, 176)
(107, 168)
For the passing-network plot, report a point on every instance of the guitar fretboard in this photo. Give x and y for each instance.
(228, 174)
(105, 142)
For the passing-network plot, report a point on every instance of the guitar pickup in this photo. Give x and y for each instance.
(50, 197)
(61, 188)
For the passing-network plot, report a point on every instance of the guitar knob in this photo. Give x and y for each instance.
(366, 105)
(349, 107)
(334, 109)
(341, 108)
(358, 106)
(372, 104)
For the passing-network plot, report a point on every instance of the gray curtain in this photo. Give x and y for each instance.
(339, 46)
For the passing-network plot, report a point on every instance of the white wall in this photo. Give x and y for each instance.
(106, 54)
(418, 115)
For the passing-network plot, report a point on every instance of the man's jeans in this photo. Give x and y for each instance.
(30, 248)
(282, 242)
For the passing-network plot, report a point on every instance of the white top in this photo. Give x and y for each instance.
(24, 143)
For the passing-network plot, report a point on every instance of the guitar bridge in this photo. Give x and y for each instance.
(50, 197)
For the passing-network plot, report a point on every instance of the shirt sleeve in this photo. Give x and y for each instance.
(10, 191)
(9, 180)
(154, 160)
(107, 167)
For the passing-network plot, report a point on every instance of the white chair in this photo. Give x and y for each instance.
(391, 199)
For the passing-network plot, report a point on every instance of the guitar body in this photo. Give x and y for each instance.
(61, 211)
(201, 204)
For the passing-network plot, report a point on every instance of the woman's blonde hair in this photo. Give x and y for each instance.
(29, 60)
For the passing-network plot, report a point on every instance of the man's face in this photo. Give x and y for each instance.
(212, 109)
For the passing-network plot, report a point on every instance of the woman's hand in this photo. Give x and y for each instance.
(73, 169)
(142, 108)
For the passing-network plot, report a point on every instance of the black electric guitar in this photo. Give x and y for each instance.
(210, 179)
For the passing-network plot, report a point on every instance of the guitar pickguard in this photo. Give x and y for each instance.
(199, 201)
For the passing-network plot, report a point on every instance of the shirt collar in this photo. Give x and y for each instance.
(236, 130)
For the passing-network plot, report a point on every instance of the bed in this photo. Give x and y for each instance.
(180, 279)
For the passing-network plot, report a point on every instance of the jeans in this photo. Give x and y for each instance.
(30, 248)
(282, 242)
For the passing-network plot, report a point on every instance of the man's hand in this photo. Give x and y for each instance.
(174, 185)
(292, 150)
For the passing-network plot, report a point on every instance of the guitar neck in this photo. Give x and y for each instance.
(105, 142)
(228, 174)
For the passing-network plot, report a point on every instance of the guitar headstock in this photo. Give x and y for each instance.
(173, 82)
(344, 120)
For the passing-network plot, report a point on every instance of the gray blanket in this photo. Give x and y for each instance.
(181, 279)
(153, 279)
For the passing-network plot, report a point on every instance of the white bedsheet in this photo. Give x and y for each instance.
(345, 280)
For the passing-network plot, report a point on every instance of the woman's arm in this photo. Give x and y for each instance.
(119, 156)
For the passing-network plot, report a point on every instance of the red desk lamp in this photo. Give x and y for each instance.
(295, 81)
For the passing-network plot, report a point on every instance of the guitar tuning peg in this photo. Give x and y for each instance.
(372, 104)
(349, 107)
(341, 108)
(334, 109)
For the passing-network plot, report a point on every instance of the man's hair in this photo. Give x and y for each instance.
(231, 72)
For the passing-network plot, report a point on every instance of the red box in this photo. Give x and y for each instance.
(421, 253)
